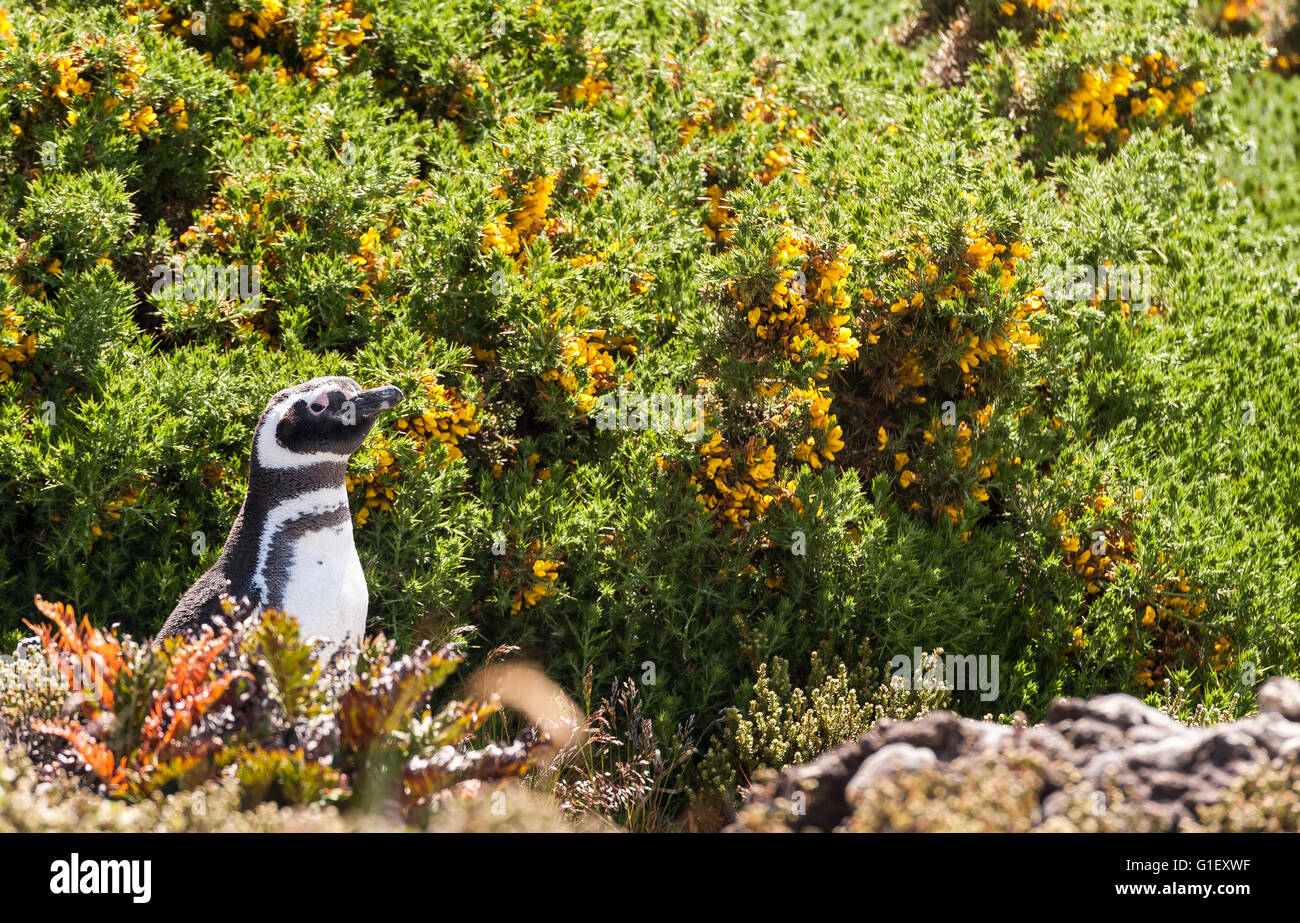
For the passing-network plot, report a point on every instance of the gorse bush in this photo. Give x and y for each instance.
(726, 331)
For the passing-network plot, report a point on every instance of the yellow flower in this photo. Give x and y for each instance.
(141, 122)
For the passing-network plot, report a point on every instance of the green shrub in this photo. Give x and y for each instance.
(1094, 81)
(784, 725)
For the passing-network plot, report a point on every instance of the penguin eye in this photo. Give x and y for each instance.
(319, 404)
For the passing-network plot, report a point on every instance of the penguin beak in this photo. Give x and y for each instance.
(375, 401)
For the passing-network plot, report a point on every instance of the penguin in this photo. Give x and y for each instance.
(291, 547)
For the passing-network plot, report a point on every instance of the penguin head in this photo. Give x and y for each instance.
(322, 420)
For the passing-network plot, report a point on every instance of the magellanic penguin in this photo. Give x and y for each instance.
(291, 545)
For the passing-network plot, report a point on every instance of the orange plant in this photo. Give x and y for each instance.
(74, 648)
(188, 690)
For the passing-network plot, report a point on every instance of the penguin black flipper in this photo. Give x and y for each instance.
(200, 605)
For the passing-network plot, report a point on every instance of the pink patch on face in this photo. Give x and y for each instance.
(319, 404)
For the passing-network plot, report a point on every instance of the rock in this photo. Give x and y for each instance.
(1174, 753)
(1157, 771)
(893, 758)
(1228, 746)
(1124, 712)
(1280, 695)
(940, 731)
(1088, 732)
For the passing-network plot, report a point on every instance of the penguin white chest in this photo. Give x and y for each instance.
(325, 588)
